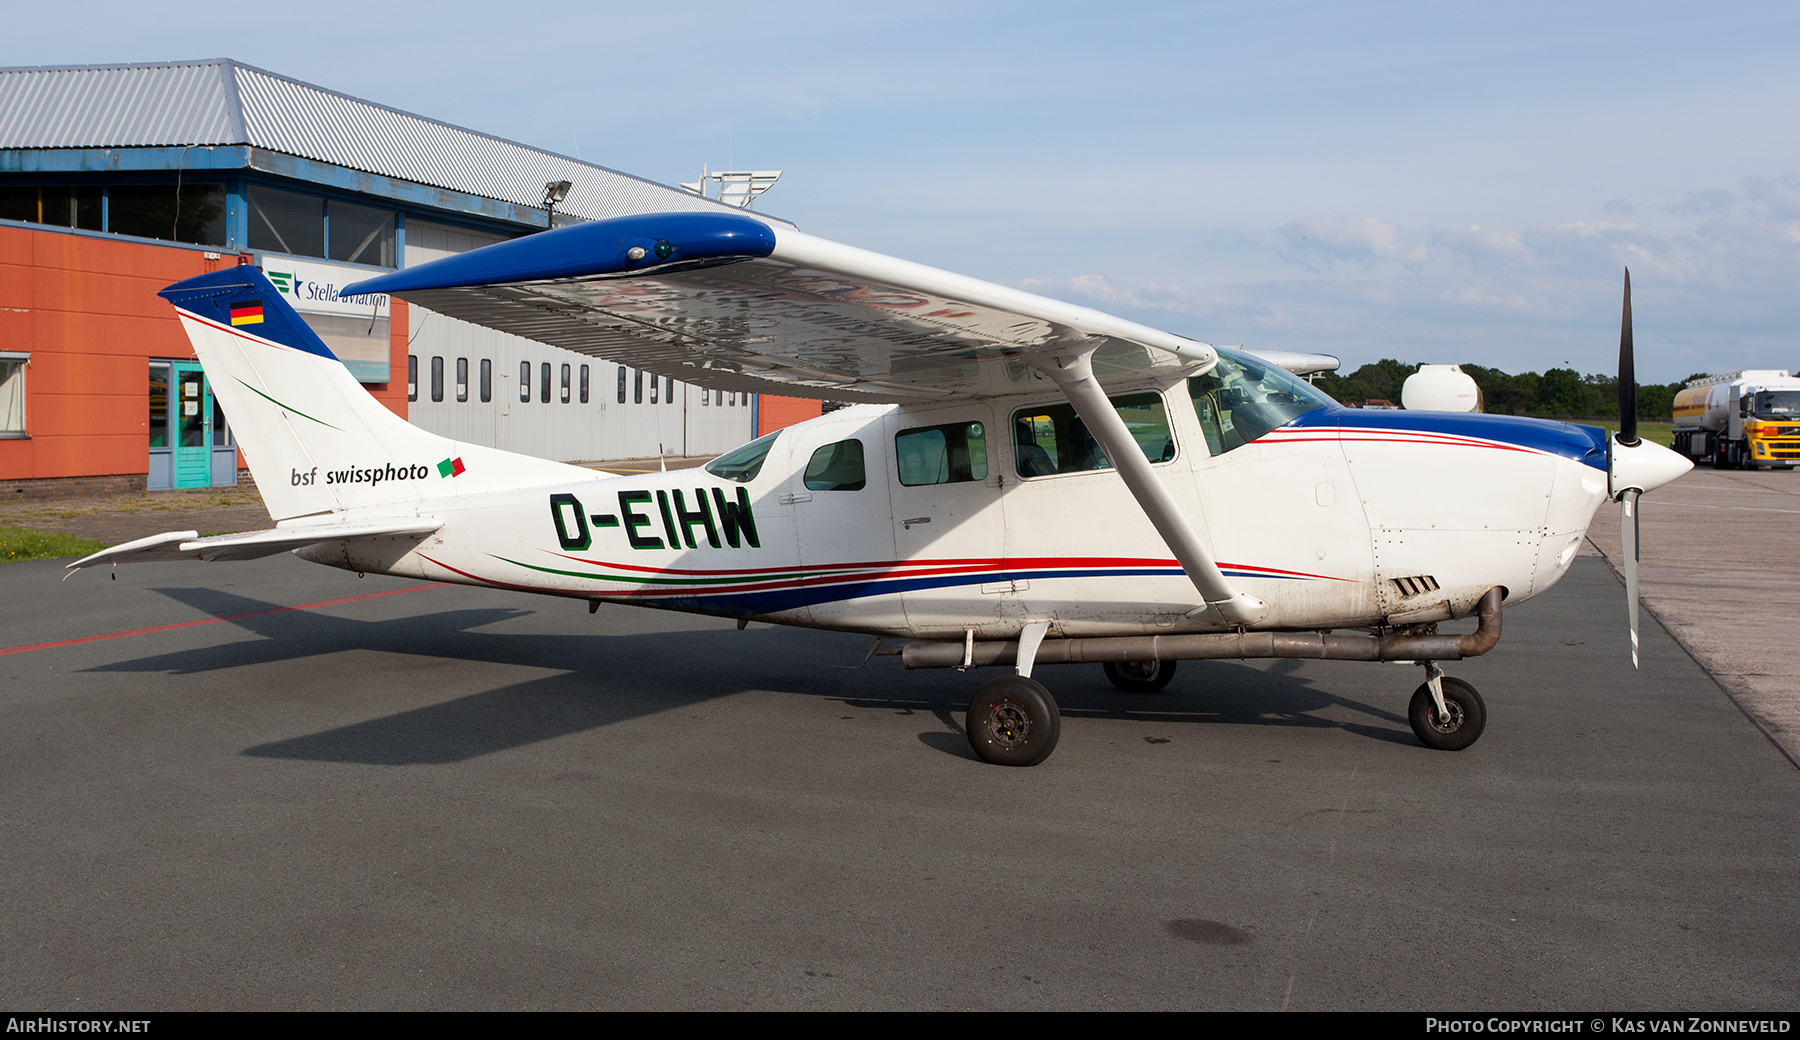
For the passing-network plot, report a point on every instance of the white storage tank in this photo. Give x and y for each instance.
(1440, 388)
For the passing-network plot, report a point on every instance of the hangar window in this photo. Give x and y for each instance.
(437, 379)
(185, 213)
(621, 384)
(837, 467)
(584, 384)
(361, 235)
(544, 383)
(637, 386)
(669, 389)
(286, 222)
(61, 205)
(462, 379)
(565, 384)
(949, 454)
(524, 381)
(1053, 439)
(1243, 397)
(12, 394)
(412, 377)
(653, 383)
(487, 380)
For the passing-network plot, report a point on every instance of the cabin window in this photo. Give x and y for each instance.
(1053, 439)
(837, 467)
(1244, 397)
(743, 464)
(949, 454)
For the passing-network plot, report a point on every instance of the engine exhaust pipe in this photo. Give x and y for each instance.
(1324, 646)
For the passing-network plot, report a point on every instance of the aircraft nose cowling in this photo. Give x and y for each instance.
(1643, 466)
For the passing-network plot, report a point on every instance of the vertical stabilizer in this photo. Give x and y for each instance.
(316, 441)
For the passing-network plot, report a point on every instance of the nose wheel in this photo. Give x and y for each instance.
(1013, 722)
(1451, 722)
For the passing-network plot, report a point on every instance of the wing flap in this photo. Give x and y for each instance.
(251, 545)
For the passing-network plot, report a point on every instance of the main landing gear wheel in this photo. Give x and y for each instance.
(1140, 676)
(1467, 716)
(1013, 722)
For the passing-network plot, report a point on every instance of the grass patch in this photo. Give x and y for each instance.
(22, 543)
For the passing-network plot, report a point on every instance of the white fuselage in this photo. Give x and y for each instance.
(1331, 521)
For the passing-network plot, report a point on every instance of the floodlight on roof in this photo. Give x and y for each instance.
(554, 192)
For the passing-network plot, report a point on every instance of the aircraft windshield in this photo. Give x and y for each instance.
(1777, 404)
(1244, 397)
(743, 464)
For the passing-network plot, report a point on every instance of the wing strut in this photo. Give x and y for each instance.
(1074, 373)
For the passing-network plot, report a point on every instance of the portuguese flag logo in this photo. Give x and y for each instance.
(450, 467)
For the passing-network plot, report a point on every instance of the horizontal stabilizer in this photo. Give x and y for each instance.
(251, 545)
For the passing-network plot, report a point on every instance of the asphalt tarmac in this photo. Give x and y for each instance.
(447, 798)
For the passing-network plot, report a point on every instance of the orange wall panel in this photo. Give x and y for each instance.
(91, 455)
(18, 458)
(775, 413)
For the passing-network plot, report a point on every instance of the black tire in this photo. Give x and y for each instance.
(1139, 676)
(1468, 716)
(1013, 722)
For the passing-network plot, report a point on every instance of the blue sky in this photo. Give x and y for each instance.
(1428, 182)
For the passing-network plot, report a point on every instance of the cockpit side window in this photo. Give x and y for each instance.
(837, 467)
(1244, 397)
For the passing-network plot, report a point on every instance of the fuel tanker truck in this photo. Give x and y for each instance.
(1740, 420)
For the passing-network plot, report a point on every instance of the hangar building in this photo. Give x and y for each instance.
(116, 180)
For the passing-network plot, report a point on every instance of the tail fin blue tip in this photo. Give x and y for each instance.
(243, 298)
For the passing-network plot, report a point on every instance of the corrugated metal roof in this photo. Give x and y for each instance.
(223, 102)
(117, 106)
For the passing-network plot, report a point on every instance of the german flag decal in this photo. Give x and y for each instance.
(247, 313)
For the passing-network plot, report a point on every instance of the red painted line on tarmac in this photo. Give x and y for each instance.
(216, 620)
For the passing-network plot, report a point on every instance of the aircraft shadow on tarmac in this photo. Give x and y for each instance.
(608, 678)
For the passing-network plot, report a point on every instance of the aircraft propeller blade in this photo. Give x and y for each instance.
(1627, 374)
(1628, 560)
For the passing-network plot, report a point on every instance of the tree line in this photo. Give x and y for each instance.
(1559, 393)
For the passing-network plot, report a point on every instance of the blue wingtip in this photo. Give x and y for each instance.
(596, 249)
(216, 294)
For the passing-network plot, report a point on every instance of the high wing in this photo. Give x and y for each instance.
(732, 303)
(729, 302)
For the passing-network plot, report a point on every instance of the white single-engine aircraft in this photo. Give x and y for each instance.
(1024, 481)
